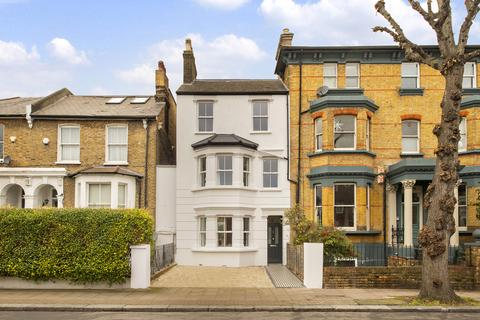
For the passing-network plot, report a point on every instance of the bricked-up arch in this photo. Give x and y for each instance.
(12, 195)
(45, 195)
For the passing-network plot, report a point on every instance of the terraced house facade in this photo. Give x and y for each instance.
(65, 150)
(361, 141)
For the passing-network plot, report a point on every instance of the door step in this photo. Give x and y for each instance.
(282, 277)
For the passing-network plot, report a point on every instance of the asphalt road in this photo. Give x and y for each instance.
(234, 316)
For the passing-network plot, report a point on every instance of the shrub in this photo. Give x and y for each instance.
(77, 245)
(335, 242)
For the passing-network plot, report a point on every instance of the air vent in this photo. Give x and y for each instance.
(139, 100)
(116, 100)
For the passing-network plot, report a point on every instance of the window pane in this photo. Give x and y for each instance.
(410, 128)
(1, 132)
(70, 153)
(345, 140)
(351, 69)
(344, 217)
(467, 83)
(344, 194)
(410, 144)
(117, 153)
(409, 83)
(318, 125)
(228, 242)
(105, 194)
(203, 163)
(246, 224)
(228, 224)
(93, 194)
(330, 82)
(221, 224)
(330, 69)
(273, 165)
(462, 144)
(345, 123)
(409, 69)
(469, 69)
(351, 82)
(246, 164)
(117, 135)
(122, 190)
(318, 195)
(462, 195)
(260, 108)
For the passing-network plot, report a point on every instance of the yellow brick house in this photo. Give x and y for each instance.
(361, 141)
(65, 150)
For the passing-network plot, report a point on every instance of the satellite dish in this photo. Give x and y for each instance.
(323, 90)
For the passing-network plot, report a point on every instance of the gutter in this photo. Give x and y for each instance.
(145, 182)
(384, 223)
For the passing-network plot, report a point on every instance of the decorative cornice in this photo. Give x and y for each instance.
(408, 184)
(325, 152)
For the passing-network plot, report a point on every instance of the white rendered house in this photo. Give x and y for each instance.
(232, 183)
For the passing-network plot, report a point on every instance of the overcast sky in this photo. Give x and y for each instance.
(112, 46)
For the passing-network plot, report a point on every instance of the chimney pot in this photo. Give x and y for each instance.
(188, 45)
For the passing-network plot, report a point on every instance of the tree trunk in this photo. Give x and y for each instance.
(440, 200)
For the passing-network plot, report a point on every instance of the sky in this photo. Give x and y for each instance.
(109, 47)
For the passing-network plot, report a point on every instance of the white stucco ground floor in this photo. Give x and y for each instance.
(231, 236)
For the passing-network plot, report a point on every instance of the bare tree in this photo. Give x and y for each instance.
(440, 201)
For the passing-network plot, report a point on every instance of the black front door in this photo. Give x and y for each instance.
(274, 238)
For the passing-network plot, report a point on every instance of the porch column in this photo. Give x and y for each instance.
(392, 209)
(408, 212)
(455, 239)
(60, 201)
(29, 201)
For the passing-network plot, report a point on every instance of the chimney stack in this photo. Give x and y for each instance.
(285, 41)
(189, 67)
(161, 82)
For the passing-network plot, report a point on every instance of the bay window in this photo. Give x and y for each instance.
(462, 144)
(202, 231)
(122, 196)
(224, 231)
(318, 134)
(224, 170)
(246, 231)
(202, 169)
(318, 203)
(462, 205)
(99, 195)
(246, 171)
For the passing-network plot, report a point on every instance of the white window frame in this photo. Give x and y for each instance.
(411, 136)
(472, 77)
(2, 142)
(354, 206)
(349, 132)
(60, 144)
(368, 205)
(464, 134)
(357, 76)
(225, 231)
(246, 172)
(260, 116)
(331, 77)
(107, 144)
(202, 174)
(202, 233)
(416, 76)
(246, 233)
(271, 173)
(125, 196)
(463, 228)
(318, 123)
(368, 133)
(101, 205)
(315, 204)
(199, 117)
(223, 170)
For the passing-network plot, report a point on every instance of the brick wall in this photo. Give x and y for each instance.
(391, 277)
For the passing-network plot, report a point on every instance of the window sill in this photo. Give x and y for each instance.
(319, 153)
(223, 188)
(411, 91)
(260, 132)
(270, 190)
(363, 232)
(68, 162)
(474, 151)
(204, 133)
(224, 249)
(471, 91)
(411, 155)
(120, 163)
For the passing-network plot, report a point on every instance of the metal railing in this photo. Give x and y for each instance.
(163, 256)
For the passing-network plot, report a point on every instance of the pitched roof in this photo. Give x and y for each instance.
(225, 140)
(109, 170)
(233, 87)
(64, 104)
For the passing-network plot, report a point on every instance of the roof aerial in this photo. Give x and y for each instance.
(139, 100)
(116, 100)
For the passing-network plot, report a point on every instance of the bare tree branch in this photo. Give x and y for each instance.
(428, 16)
(473, 6)
(413, 51)
(469, 56)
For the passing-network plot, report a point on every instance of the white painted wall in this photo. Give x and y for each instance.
(165, 204)
(232, 114)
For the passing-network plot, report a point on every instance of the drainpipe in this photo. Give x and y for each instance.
(297, 195)
(147, 135)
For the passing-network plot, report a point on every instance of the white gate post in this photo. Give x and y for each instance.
(313, 265)
(140, 266)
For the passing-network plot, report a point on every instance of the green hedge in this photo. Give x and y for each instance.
(78, 245)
